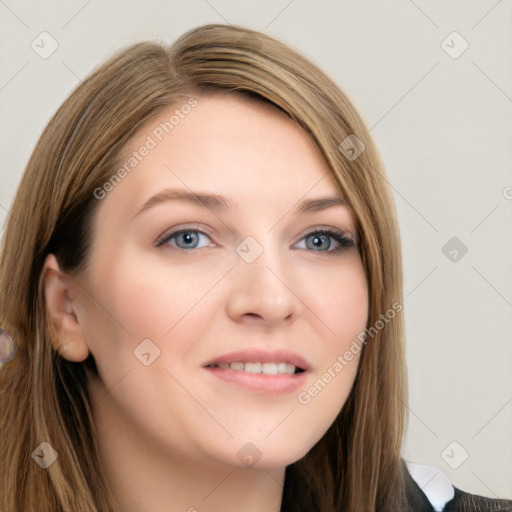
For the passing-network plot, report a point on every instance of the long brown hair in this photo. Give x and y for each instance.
(356, 466)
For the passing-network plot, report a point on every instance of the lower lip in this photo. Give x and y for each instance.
(276, 384)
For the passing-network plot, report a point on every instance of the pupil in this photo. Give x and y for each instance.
(188, 238)
(319, 240)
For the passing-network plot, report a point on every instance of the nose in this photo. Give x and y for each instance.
(263, 292)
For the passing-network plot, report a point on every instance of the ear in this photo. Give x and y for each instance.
(60, 295)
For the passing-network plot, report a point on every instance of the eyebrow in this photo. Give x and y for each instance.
(216, 202)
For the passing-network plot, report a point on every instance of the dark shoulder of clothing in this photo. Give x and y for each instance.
(296, 498)
(461, 501)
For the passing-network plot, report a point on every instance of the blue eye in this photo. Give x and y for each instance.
(184, 239)
(320, 240)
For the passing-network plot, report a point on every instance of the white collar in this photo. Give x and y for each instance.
(436, 485)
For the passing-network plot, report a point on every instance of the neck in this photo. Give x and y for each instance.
(142, 476)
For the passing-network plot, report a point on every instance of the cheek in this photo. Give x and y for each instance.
(339, 298)
(342, 308)
(151, 297)
(134, 300)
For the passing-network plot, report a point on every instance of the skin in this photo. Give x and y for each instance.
(169, 433)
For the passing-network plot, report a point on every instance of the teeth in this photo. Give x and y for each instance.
(252, 367)
(281, 368)
(290, 369)
(265, 368)
(269, 368)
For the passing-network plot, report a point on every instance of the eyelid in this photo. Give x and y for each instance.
(168, 233)
(348, 234)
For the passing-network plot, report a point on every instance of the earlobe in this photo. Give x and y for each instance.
(65, 329)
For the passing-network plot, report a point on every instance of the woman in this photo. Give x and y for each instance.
(208, 313)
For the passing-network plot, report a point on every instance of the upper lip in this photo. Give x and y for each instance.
(262, 356)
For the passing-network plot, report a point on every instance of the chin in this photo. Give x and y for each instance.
(266, 455)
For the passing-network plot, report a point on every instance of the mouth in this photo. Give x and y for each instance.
(280, 368)
(276, 371)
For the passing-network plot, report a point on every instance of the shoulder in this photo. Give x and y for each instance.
(430, 490)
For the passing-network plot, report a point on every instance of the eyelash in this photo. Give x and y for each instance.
(338, 235)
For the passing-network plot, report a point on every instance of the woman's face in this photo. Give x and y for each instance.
(179, 288)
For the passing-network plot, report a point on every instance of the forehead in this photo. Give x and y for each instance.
(232, 145)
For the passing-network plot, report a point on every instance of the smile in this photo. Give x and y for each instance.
(280, 368)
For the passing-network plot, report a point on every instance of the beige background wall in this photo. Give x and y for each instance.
(442, 119)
